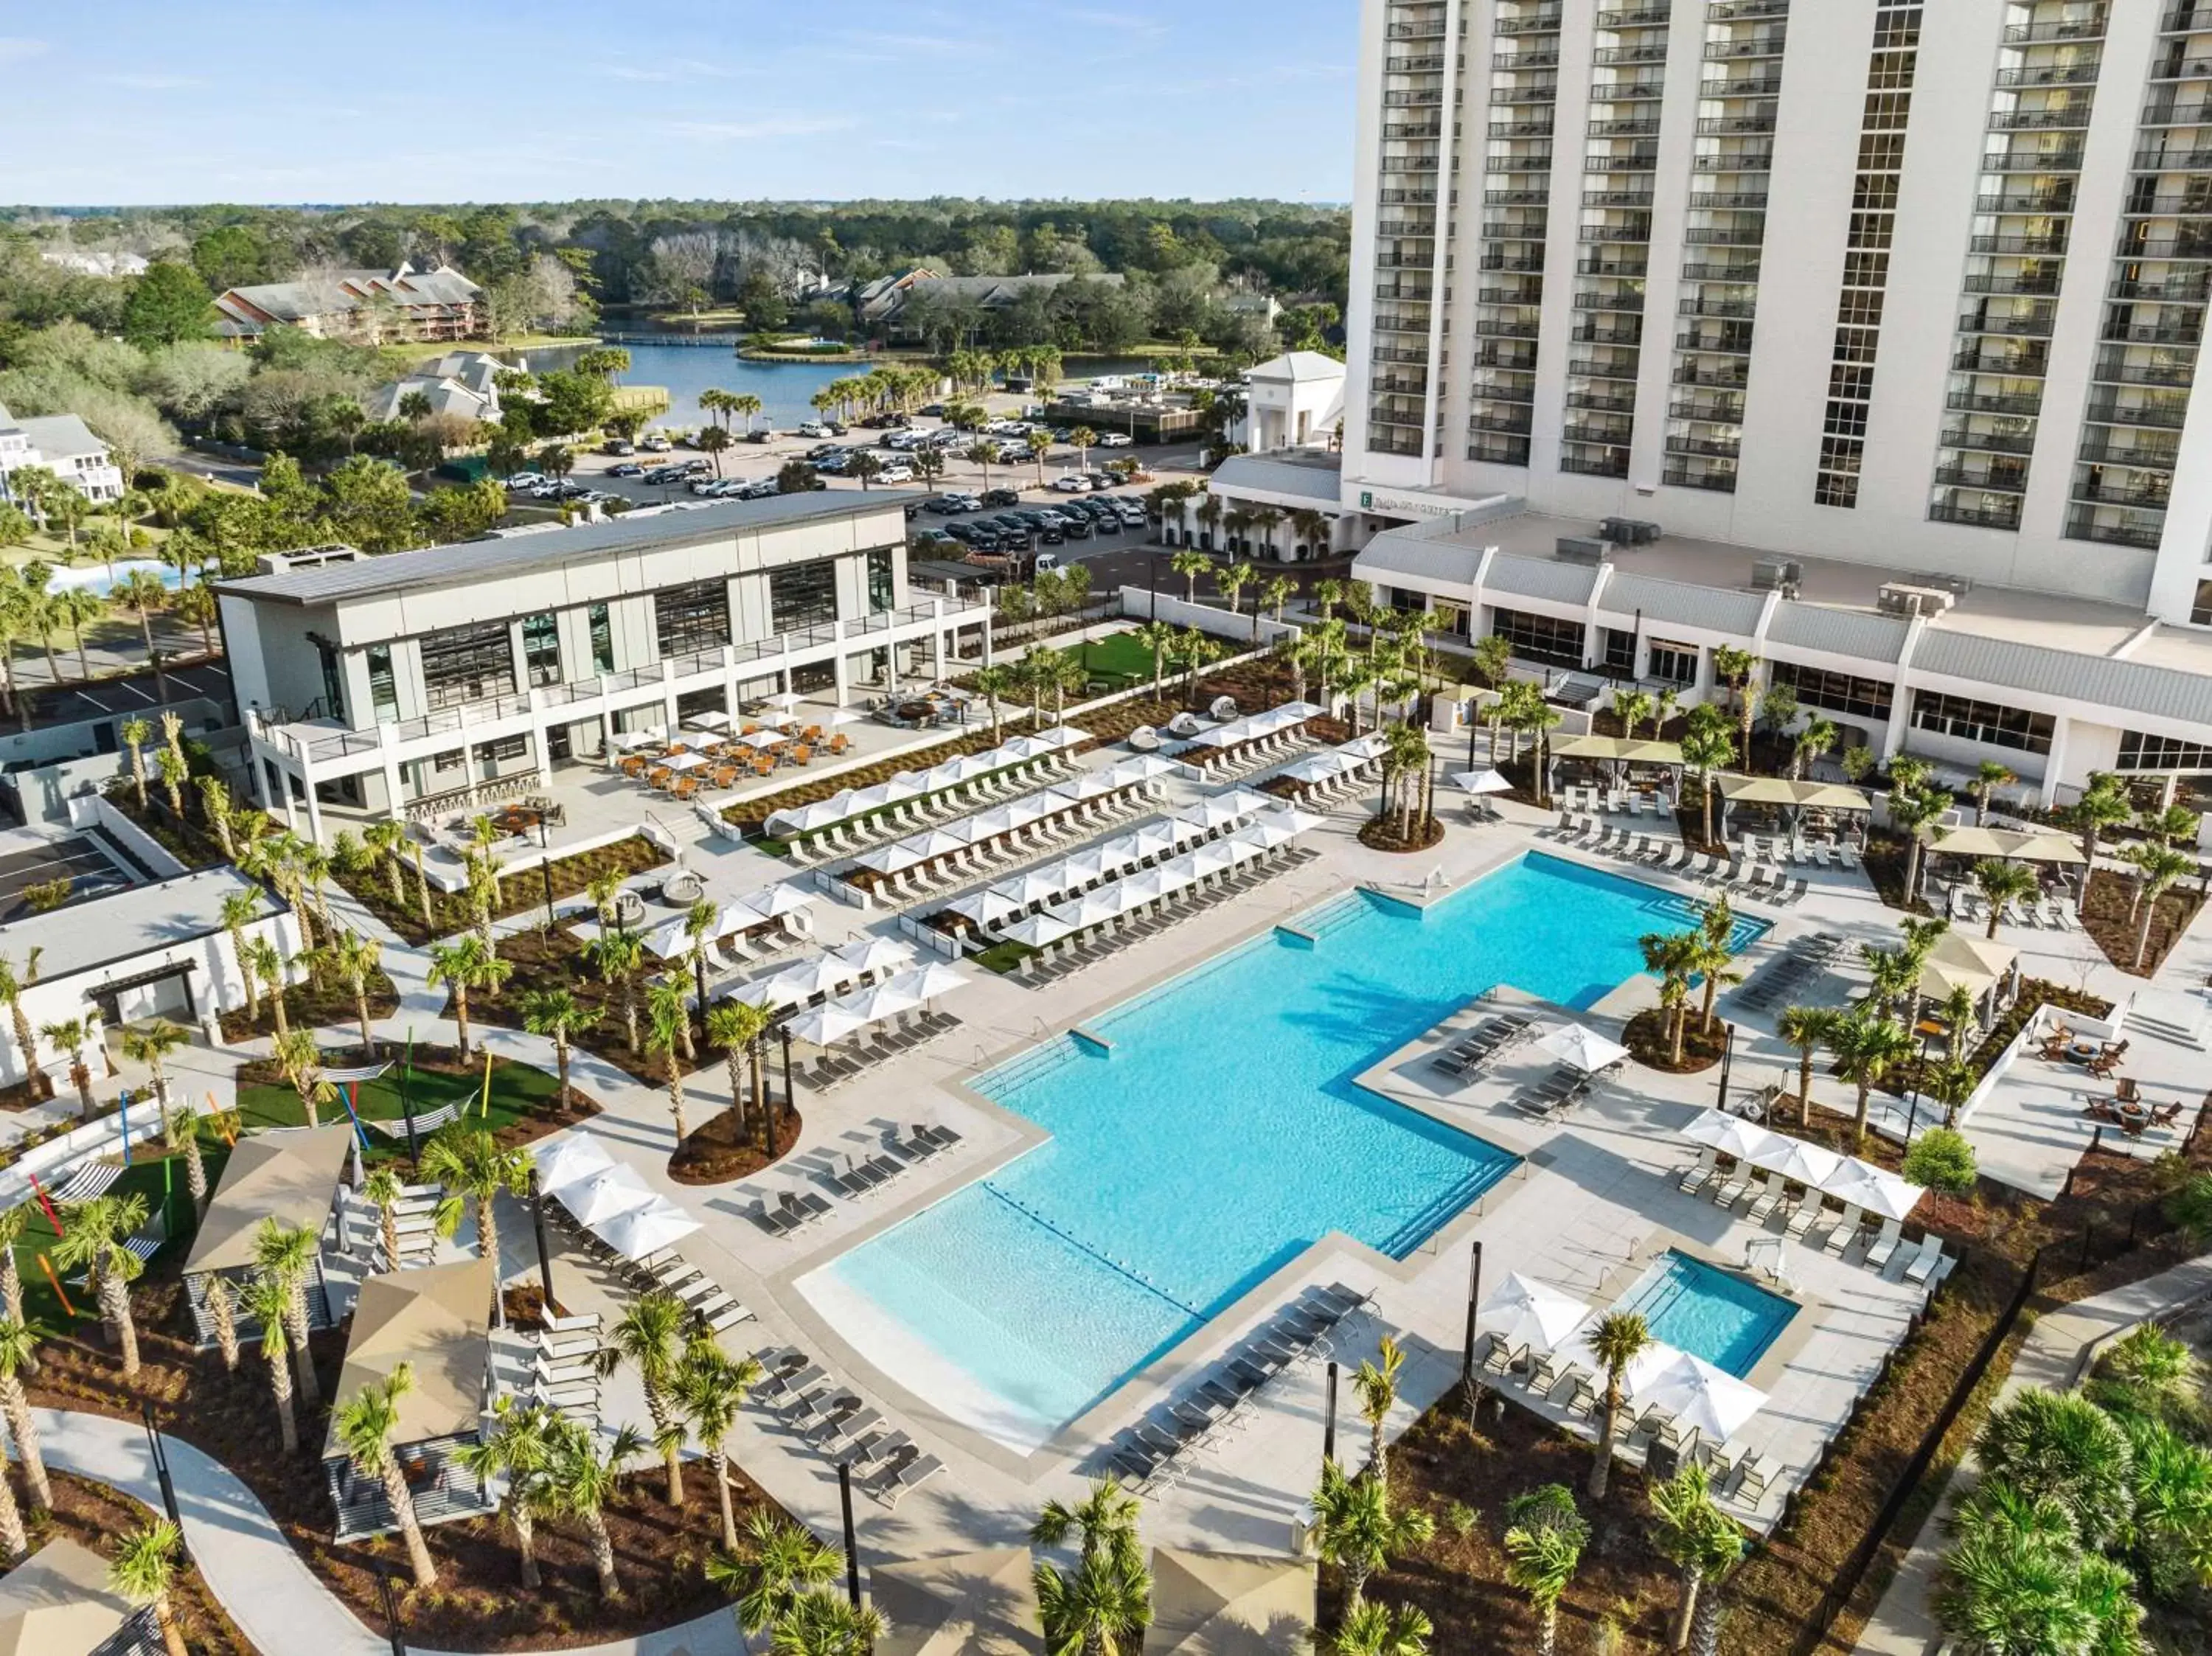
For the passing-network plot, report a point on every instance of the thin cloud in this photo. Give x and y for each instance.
(138, 82)
(789, 127)
(15, 46)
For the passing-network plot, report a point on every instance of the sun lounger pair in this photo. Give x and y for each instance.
(857, 1177)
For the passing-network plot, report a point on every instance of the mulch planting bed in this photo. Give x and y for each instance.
(2106, 917)
(714, 1154)
(556, 961)
(1381, 834)
(312, 1005)
(1650, 1040)
(96, 1517)
(519, 892)
(477, 1604)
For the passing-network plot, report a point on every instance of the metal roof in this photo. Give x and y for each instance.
(1839, 632)
(475, 561)
(1321, 483)
(2159, 692)
(1537, 577)
(1410, 552)
(1679, 602)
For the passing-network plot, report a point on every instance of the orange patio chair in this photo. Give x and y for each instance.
(801, 754)
(724, 775)
(685, 786)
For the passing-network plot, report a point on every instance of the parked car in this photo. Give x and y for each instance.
(706, 486)
(812, 428)
(1072, 483)
(1116, 439)
(626, 469)
(763, 488)
(525, 480)
(616, 446)
(655, 444)
(896, 472)
(1002, 497)
(759, 434)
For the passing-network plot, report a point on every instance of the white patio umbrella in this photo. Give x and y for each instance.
(1141, 768)
(888, 860)
(764, 739)
(1731, 1135)
(823, 1024)
(572, 1159)
(934, 842)
(645, 1231)
(777, 901)
(1582, 1049)
(822, 813)
(761, 992)
(1862, 1185)
(1036, 930)
(668, 939)
(1522, 1312)
(873, 955)
(804, 979)
(631, 741)
(785, 698)
(873, 1005)
(1036, 885)
(1318, 768)
(986, 908)
(837, 716)
(712, 719)
(1093, 908)
(603, 1195)
(1154, 838)
(1363, 748)
(684, 761)
(1482, 782)
(1806, 1164)
(1698, 1396)
(1099, 863)
(929, 981)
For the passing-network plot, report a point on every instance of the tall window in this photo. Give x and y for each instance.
(1539, 638)
(541, 649)
(802, 595)
(333, 680)
(603, 639)
(2139, 752)
(383, 684)
(467, 664)
(694, 617)
(1677, 663)
(1982, 721)
(883, 588)
(1836, 693)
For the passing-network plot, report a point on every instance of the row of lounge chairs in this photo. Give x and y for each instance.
(1804, 960)
(855, 1176)
(840, 1425)
(1353, 781)
(1634, 801)
(1040, 838)
(1489, 1038)
(1157, 1451)
(1226, 765)
(2044, 913)
(884, 1043)
(565, 1371)
(1821, 854)
(665, 1271)
(1070, 955)
(1926, 1263)
(782, 1212)
(911, 816)
(1555, 1094)
(1667, 856)
(1737, 1471)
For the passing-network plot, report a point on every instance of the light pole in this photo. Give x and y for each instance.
(1328, 1420)
(545, 868)
(1467, 1349)
(852, 1541)
(544, 1254)
(160, 1450)
(1728, 1063)
(391, 1611)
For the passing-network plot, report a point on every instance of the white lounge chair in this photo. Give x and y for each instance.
(1884, 1247)
(1924, 1263)
(1844, 1228)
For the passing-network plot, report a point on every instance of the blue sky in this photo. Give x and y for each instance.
(153, 102)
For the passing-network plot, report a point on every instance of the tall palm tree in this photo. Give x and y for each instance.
(288, 1255)
(649, 1338)
(1738, 670)
(1676, 956)
(1990, 775)
(1190, 564)
(993, 683)
(520, 1448)
(14, 1221)
(771, 1566)
(1702, 1541)
(357, 959)
(826, 1624)
(302, 1062)
(383, 1190)
(1357, 1533)
(387, 837)
(144, 1571)
(1707, 746)
(1807, 1027)
(580, 1481)
(1100, 1608)
(240, 910)
(710, 1390)
(2157, 867)
(464, 965)
(363, 1426)
(470, 1162)
(93, 1239)
(738, 1029)
(268, 1302)
(1618, 1339)
(617, 954)
(668, 1026)
(11, 993)
(266, 964)
(1544, 1546)
(13, 1539)
(142, 591)
(136, 734)
(559, 1016)
(1866, 1048)
(1377, 1382)
(150, 1043)
(1717, 957)
(2001, 882)
(19, 1355)
(1631, 708)
(68, 1035)
(2104, 804)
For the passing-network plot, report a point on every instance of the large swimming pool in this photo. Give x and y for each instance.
(1215, 1137)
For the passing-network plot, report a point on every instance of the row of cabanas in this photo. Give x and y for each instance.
(866, 959)
(756, 909)
(908, 785)
(852, 1014)
(1352, 758)
(1845, 1178)
(1025, 893)
(1030, 811)
(1259, 838)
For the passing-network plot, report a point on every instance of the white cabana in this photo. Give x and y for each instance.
(573, 1158)
(601, 1196)
(1702, 1398)
(642, 1232)
(1525, 1313)
(1478, 783)
(1582, 1049)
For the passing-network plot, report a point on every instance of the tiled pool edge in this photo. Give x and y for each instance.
(1804, 1320)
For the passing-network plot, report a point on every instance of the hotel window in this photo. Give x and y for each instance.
(1836, 693)
(1539, 638)
(1676, 664)
(603, 639)
(383, 684)
(2200, 612)
(1982, 721)
(508, 747)
(541, 649)
(467, 664)
(2139, 752)
(882, 587)
(333, 680)
(802, 595)
(1620, 653)
(694, 617)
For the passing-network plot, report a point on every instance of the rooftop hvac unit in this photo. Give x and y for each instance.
(1896, 598)
(1581, 549)
(1776, 575)
(1957, 585)
(1629, 531)
(311, 557)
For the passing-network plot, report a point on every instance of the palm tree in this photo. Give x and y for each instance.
(2157, 867)
(1377, 1383)
(616, 954)
(145, 1570)
(14, 1221)
(470, 1162)
(357, 959)
(1807, 1027)
(710, 1390)
(1676, 956)
(1618, 1339)
(1911, 810)
(2006, 1593)
(1866, 1048)
(386, 837)
(580, 1481)
(1376, 1629)
(68, 1036)
(363, 1426)
(1999, 883)
(1405, 767)
(13, 1539)
(268, 1302)
(94, 1237)
(2104, 804)
(1100, 1608)
(1988, 777)
(668, 1031)
(1702, 1541)
(1715, 958)
(1736, 669)
(1706, 747)
(1105, 1519)
(776, 1562)
(825, 1624)
(1190, 564)
(142, 591)
(463, 965)
(647, 1338)
(558, 1015)
(993, 683)
(137, 733)
(520, 1448)
(289, 1255)
(1631, 708)
(11, 993)
(1357, 1533)
(266, 964)
(302, 1062)
(19, 1355)
(383, 1189)
(240, 910)
(738, 1029)
(1231, 583)
(1543, 1549)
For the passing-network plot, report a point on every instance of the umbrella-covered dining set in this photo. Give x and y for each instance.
(852, 819)
(710, 751)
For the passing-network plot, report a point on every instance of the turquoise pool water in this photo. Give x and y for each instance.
(1708, 1313)
(1222, 1135)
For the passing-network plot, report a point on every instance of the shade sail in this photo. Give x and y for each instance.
(1713, 1403)
(1618, 749)
(1207, 1603)
(1781, 791)
(1523, 1312)
(1482, 782)
(1959, 961)
(1582, 1049)
(2012, 845)
(644, 1231)
(58, 1602)
(971, 1603)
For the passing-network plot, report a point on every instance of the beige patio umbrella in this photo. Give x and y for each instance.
(969, 1604)
(1218, 1604)
(2019, 845)
(1958, 960)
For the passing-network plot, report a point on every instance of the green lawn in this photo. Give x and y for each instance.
(161, 1181)
(1119, 657)
(518, 1091)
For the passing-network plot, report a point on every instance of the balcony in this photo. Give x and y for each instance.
(1589, 333)
(2050, 75)
(2191, 19)
(1712, 448)
(1601, 402)
(1754, 158)
(1630, 304)
(2169, 416)
(1631, 234)
(1398, 354)
(1402, 228)
(1723, 376)
(1642, 126)
(1494, 390)
(1742, 270)
(1518, 356)
(2186, 206)
(1626, 269)
(1737, 309)
(1407, 196)
(1603, 367)
(1733, 126)
(1404, 131)
(2036, 247)
(2106, 492)
(1989, 442)
(2013, 481)
(1432, 64)
(1529, 126)
(1512, 63)
(2087, 526)
(2030, 327)
(1734, 200)
(2156, 333)
(2046, 283)
(1712, 410)
(1512, 262)
(2116, 370)
(1543, 92)
(1738, 11)
(2105, 449)
(2041, 202)
(1757, 46)
(1977, 517)
(1488, 329)
(1500, 451)
(1644, 51)
(1528, 294)
(1417, 98)
(2174, 113)
(2008, 402)
(1514, 423)
(1731, 342)
(2190, 248)
(1611, 433)
(2065, 159)
(1537, 161)
(2084, 28)
(1708, 235)
(1620, 17)
(1746, 86)
(1417, 291)
(2025, 364)
(1716, 476)
(1545, 19)
(2163, 160)
(1610, 196)
(1636, 89)
(1611, 463)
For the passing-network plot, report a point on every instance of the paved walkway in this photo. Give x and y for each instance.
(252, 1568)
(2053, 1357)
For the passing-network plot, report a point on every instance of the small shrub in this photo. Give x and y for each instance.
(1461, 1519)
(1942, 1159)
(47, 895)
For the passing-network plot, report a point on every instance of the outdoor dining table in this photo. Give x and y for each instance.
(764, 740)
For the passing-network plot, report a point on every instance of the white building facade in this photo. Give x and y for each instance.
(1865, 279)
(59, 443)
